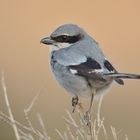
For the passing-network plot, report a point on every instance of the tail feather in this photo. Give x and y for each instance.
(123, 75)
(119, 81)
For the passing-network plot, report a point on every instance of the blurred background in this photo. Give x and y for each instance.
(114, 24)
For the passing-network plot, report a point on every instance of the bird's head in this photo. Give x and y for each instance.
(64, 36)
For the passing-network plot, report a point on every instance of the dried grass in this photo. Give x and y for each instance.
(75, 129)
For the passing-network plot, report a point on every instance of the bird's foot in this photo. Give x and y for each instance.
(87, 118)
(74, 102)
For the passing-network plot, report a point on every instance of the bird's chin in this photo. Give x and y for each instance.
(64, 45)
(54, 47)
(58, 46)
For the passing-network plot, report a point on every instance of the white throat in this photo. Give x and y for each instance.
(64, 45)
(59, 46)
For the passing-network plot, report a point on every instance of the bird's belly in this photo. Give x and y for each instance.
(76, 86)
(79, 86)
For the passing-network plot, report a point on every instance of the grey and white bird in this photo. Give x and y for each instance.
(79, 64)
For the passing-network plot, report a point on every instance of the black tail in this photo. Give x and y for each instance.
(124, 75)
(119, 76)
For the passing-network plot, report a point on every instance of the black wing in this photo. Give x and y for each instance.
(90, 68)
(87, 69)
(108, 66)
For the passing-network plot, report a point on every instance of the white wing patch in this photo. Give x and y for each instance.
(99, 70)
(73, 71)
(90, 72)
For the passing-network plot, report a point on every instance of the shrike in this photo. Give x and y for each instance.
(79, 64)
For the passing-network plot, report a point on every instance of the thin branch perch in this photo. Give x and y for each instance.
(9, 108)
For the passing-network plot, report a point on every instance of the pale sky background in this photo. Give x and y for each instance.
(114, 24)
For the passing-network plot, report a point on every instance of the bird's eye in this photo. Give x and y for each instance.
(63, 38)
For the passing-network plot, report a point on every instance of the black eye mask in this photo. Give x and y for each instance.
(67, 39)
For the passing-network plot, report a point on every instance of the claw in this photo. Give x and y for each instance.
(74, 102)
(87, 118)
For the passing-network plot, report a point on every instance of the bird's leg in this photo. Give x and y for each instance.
(87, 116)
(91, 102)
(75, 100)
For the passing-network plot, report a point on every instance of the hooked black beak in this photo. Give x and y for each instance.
(47, 40)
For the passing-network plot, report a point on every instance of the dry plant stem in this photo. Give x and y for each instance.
(99, 110)
(70, 133)
(5, 118)
(9, 108)
(21, 131)
(36, 132)
(126, 138)
(99, 121)
(80, 132)
(27, 111)
(94, 130)
(114, 133)
(72, 122)
(39, 134)
(59, 133)
(43, 126)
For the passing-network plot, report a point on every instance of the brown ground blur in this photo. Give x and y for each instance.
(114, 24)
